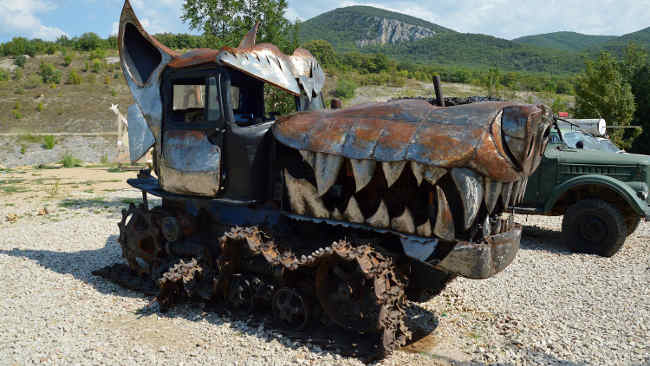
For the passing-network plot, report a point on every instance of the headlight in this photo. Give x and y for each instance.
(642, 195)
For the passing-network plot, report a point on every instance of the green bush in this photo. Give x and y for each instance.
(40, 107)
(67, 60)
(97, 54)
(113, 93)
(70, 161)
(17, 114)
(33, 81)
(74, 78)
(345, 89)
(4, 75)
(97, 65)
(48, 142)
(49, 73)
(20, 61)
(107, 80)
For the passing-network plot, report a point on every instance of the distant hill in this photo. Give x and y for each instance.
(481, 51)
(565, 41)
(617, 45)
(355, 27)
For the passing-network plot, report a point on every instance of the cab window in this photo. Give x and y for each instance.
(188, 102)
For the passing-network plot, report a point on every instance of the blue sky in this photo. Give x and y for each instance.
(509, 19)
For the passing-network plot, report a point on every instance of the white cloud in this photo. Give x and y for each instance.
(20, 17)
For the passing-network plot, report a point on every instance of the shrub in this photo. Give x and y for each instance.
(17, 114)
(86, 66)
(49, 73)
(51, 49)
(74, 78)
(40, 107)
(97, 65)
(20, 61)
(19, 91)
(4, 75)
(97, 54)
(345, 89)
(113, 93)
(70, 161)
(18, 74)
(67, 60)
(48, 142)
(33, 81)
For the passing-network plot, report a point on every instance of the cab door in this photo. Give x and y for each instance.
(192, 133)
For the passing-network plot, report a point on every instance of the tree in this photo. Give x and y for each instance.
(230, 20)
(323, 51)
(641, 91)
(601, 91)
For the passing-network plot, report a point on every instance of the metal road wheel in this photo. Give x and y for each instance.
(139, 239)
(594, 226)
(291, 307)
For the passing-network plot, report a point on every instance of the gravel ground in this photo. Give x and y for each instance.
(548, 307)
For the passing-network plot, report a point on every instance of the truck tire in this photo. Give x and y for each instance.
(594, 226)
(632, 222)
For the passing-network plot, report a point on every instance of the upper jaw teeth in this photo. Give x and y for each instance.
(473, 190)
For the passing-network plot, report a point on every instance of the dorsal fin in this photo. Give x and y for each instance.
(249, 39)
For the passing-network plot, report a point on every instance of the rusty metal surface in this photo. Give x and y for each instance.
(141, 138)
(414, 130)
(483, 260)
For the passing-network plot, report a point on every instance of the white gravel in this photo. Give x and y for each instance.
(548, 307)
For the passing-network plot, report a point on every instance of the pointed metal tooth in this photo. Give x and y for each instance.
(309, 157)
(326, 171)
(487, 228)
(425, 229)
(492, 193)
(516, 191)
(471, 193)
(392, 171)
(404, 223)
(380, 218)
(432, 174)
(353, 212)
(336, 214)
(303, 197)
(444, 227)
(418, 172)
(363, 171)
(506, 193)
(522, 191)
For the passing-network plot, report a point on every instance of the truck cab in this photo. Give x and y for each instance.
(602, 193)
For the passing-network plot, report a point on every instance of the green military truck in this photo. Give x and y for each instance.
(601, 190)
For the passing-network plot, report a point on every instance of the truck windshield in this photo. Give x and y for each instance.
(573, 138)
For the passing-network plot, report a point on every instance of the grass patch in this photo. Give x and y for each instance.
(115, 169)
(45, 166)
(13, 189)
(128, 201)
(29, 138)
(90, 202)
(48, 142)
(70, 161)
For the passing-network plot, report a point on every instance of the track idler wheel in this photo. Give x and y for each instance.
(347, 295)
(140, 239)
(292, 308)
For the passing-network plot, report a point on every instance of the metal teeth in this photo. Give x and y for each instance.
(392, 171)
(309, 157)
(471, 193)
(517, 191)
(380, 219)
(444, 227)
(337, 215)
(404, 223)
(363, 171)
(326, 171)
(353, 212)
(492, 193)
(487, 228)
(506, 194)
(432, 174)
(425, 229)
(303, 197)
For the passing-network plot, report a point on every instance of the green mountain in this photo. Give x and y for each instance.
(566, 41)
(359, 26)
(617, 46)
(481, 51)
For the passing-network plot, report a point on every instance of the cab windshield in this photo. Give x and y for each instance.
(574, 138)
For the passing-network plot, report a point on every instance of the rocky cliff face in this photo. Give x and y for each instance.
(389, 31)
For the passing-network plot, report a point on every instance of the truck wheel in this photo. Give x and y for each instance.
(594, 226)
(632, 222)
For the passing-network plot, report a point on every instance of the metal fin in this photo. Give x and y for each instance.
(432, 174)
(337, 215)
(492, 193)
(380, 218)
(444, 227)
(363, 171)
(392, 171)
(309, 157)
(506, 193)
(353, 212)
(425, 229)
(303, 197)
(326, 171)
(403, 223)
(471, 193)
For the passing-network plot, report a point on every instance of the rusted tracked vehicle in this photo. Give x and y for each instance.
(335, 216)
